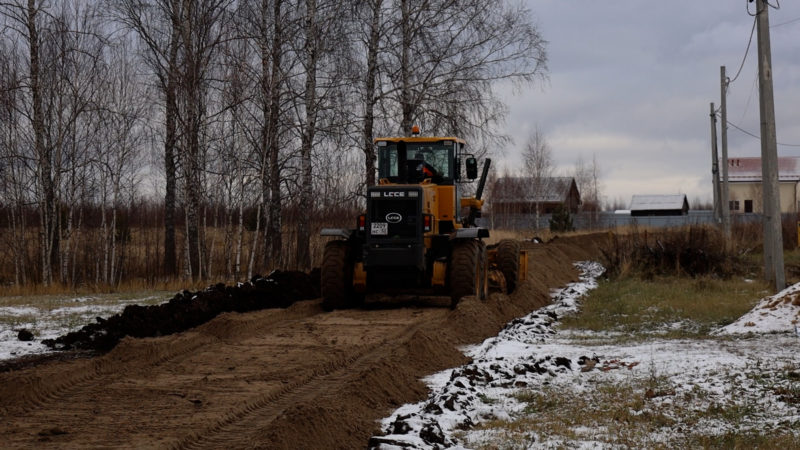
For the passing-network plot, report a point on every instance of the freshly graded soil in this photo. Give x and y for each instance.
(292, 376)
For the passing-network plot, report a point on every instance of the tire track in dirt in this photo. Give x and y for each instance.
(266, 408)
(127, 366)
(32, 391)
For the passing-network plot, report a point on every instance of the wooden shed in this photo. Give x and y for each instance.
(523, 195)
(659, 205)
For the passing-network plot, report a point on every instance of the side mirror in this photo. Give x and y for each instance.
(472, 168)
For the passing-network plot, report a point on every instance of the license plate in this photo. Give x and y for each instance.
(379, 229)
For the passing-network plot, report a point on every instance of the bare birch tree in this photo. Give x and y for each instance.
(57, 92)
(264, 23)
(374, 19)
(182, 37)
(271, 82)
(155, 22)
(29, 15)
(122, 122)
(200, 33)
(587, 177)
(14, 176)
(448, 55)
(311, 56)
(538, 160)
(326, 60)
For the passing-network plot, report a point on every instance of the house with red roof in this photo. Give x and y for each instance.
(745, 191)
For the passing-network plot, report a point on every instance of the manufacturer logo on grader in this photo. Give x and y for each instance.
(394, 217)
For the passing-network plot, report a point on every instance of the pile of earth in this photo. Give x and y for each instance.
(187, 310)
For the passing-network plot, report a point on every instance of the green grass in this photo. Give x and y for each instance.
(634, 306)
(790, 257)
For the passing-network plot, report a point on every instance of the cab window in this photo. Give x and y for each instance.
(436, 156)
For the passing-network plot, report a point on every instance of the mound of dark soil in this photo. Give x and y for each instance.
(189, 309)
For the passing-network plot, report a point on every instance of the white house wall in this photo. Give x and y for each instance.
(742, 191)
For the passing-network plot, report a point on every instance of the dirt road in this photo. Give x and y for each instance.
(290, 378)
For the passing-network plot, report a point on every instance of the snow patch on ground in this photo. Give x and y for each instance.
(756, 373)
(49, 323)
(779, 313)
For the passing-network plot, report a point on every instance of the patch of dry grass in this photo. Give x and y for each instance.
(611, 414)
(624, 415)
(632, 305)
(58, 300)
(132, 287)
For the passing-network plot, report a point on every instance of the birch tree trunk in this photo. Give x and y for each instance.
(370, 97)
(273, 233)
(237, 272)
(311, 50)
(170, 142)
(106, 240)
(47, 211)
(254, 245)
(406, 102)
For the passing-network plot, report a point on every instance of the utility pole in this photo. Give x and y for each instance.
(715, 165)
(773, 236)
(723, 133)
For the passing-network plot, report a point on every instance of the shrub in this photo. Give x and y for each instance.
(691, 251)
(561, 220)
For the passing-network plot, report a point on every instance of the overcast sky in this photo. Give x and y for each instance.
(631, 81)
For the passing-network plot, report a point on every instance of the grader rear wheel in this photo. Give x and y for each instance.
(508, 262)
(467, 270)
(337, 277)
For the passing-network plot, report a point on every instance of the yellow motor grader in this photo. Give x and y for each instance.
(413, 238)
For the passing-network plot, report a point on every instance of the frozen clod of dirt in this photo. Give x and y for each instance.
(25, 335)
(462, 397)
(189, 309)
(779, 313)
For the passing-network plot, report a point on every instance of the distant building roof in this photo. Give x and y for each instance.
(749, 169)
(658, 202)
(515, 189)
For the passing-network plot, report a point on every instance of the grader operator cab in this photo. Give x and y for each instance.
(413, 238)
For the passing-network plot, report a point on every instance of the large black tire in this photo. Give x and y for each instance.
(337, 276)
(508, 262)
(467, 274)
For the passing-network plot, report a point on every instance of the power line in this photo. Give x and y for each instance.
(746, 51)
(785, 23)
(743, 130)
(755, 135)
(749, 97)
